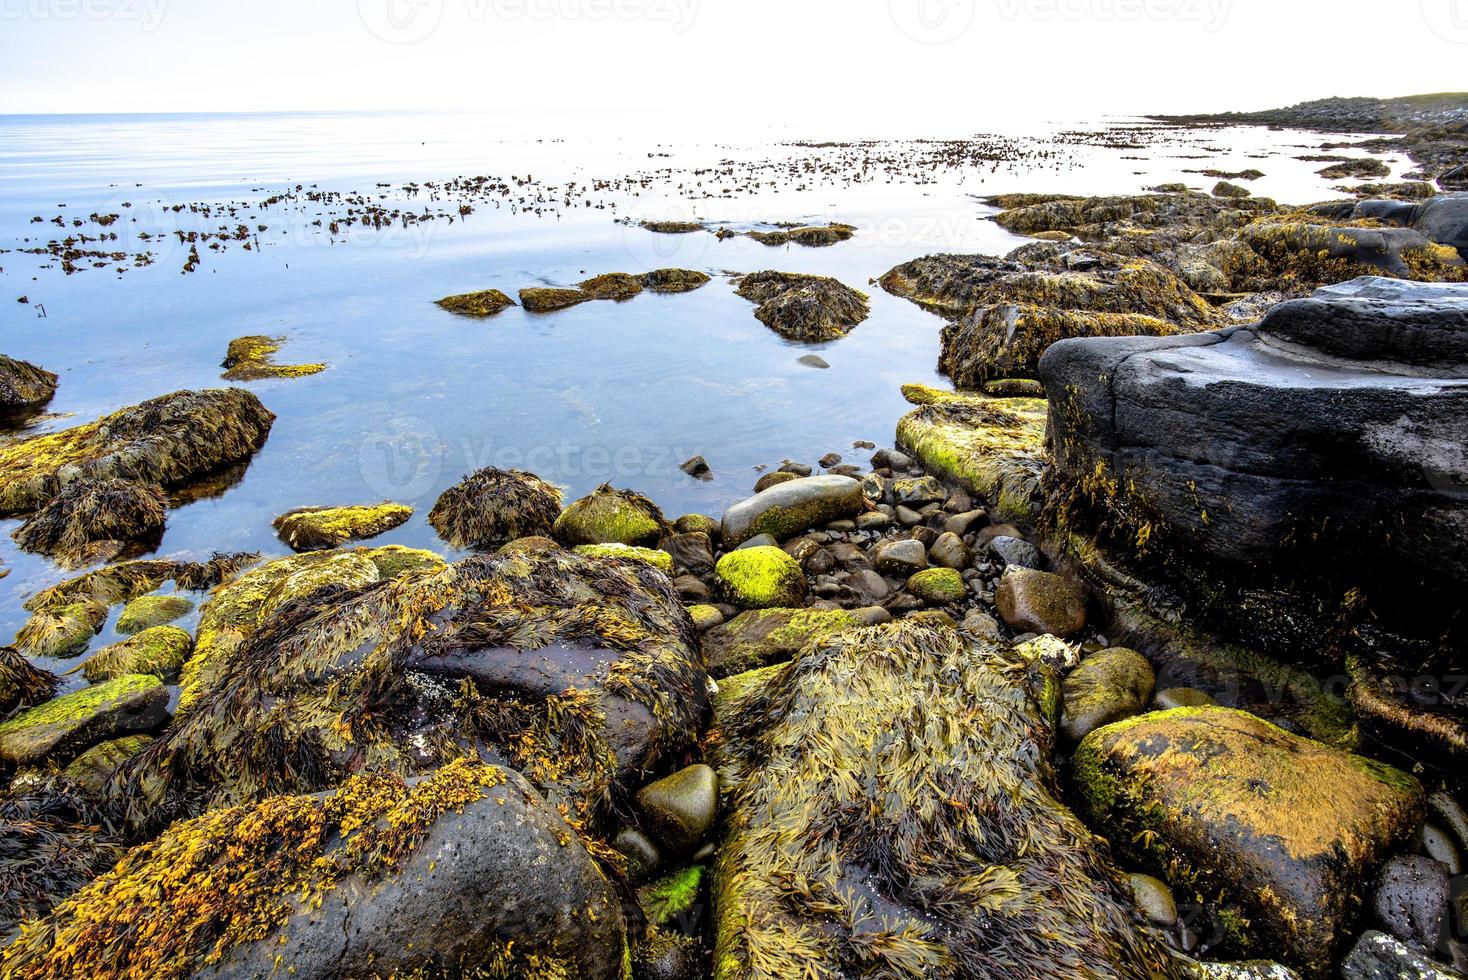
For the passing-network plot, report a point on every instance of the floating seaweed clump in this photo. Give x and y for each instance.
(493, 507)
(252, 358)
(576, 672)
(318, 528)
(166, 441)
(674, 280)
(894, 812)
(23, 385)
(804, 307)
(89, 519)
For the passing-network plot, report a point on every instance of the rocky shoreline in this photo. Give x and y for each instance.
(1137, 655)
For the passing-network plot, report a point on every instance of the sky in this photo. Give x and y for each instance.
(700, 64)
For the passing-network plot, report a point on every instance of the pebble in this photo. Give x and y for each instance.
(680, 809)
(1016, 553)
(773, 480)
(873, 521)
(799, 469)
(908, 517)
(641, 854)
(1155, 900)
(829, 460)
(760, 541)
(814, 360)
(949, 551)
(902, 557)
(891, 459)
(962, 524)
(1411, 899)
(698, 468)
(1437, 845)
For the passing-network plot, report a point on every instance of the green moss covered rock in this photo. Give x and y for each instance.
(159, 651)
(383, 877)
(318, 528)
(148, 611)
(760, 578)
(61, 729)
(611, 516)
(543, 299)
(651, 557)
(485, 302)
(1105, 688)
(1276, 836)
(938, 587)
(897, 779)
(674, 897)
(93, 770)
(762, 637)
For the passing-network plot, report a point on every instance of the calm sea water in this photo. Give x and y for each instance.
(415, 397)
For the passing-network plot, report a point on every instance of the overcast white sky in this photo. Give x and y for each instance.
(789, 62)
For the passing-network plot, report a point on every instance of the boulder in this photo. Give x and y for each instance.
(611, 516)
(760, 578)
(1324, 253)
(159, 651)
(383, 877)
(679, 810)
(692, 551)
(23, 385)
(1040, 602)
(581, 673)
(1411, 900)
(486, 302)
(1274, 835)
(167, 441)
(147, 611)
(1378, 956)
(318, 528)
(92, 771)
(803, 307)
(938, 587)
(61, 729)
(493, 507)
(994, 448)
(900, 557)
(762, 637)
(613, 285)
(674, 280)
(950, 551)
(792, 507)
(651, 557)
(544, 299)
(1178, 445)
(843, 771)
(1107, 687)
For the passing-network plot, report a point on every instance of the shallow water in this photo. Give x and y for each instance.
(415, 397)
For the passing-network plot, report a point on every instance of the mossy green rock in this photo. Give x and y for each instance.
(673, 897)
(651, 557)
(1105, 688)
(160, 651)
(760, 578)
(610, 516)
(543, 299)
(148, 611)
(705, 617)
(938, 586)
(992, 447)
(318, 528)
(485, 302)
(61, 729)
(788, 508)
(94, 768)
(882, 775)
(679, 810)
(1275, 835)
(762, 637)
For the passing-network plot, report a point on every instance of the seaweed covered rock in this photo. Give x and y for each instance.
(485, 302)
(384, 877)
(674, 280)
(1001, 342)
(61, 729)
(891, 805)
(319, 528)
(159, 651)
(804, 307)
(493, 507)
(762, 637)
(1273, 834)
(66, 616)
(1324, 253)
(147, 611)
(22, 683)
(1178, 449)
(237, 609)
(789, 508)
(92, 771)
(811, 236)
(994, 448)
(760, 578)
(613, 285)
(611, 516)
(92, 519)
(577, 672)
(547, 299)
(253, 359)
(651, 557)
(53, 841)
(166, 441)
(23, 385)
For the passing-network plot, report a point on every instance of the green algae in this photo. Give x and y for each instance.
(760, 578)
(253, 359)
(651, 557)
(318, 528)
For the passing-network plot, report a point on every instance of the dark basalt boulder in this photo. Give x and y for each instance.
(1443, 219)
(1320, 452)
(891, 800)
(580, 673)
(385, 878)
